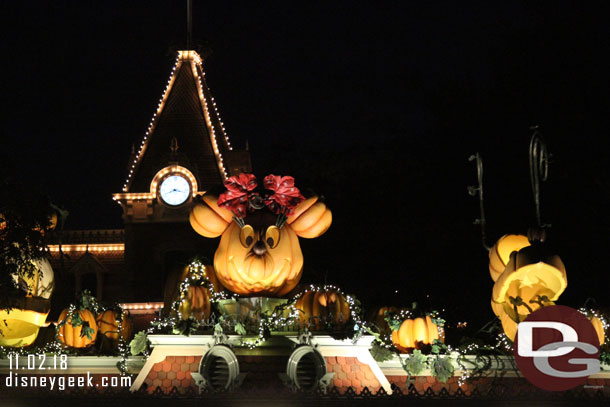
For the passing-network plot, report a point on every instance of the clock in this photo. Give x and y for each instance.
(175, 190)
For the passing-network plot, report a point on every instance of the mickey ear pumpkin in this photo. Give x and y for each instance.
(310, 218)
(499, 254)
(208, 219)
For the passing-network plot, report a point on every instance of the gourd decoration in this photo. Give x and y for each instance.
(413, 333)
(196, 300)
(499, 254)
(77, 329)
(533, 278)
(108, 325)
(317, 309)
(196, 303)
(599, 329)
(259, 252)
(378, 318)
(598, 321)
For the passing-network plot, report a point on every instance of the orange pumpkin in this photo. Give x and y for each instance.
(74, 336)
(108, 325)
(532, 279)
(318, 308)
(499, 254)
(197, 299)
(599, 329)
(51, 226)
(258, 258)
(377, 317)
(197, 303)
(415, 332)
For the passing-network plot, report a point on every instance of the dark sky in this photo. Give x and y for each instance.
(361, 102)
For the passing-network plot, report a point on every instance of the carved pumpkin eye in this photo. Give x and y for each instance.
(246, 236)
(272, 236)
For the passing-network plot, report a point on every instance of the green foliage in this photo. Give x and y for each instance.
(393, 320)
(139, 343)
(76, 320)
(381, 353)
(240, 329)
(87, 330)
(439, 348)
(441, 368)
(604, 355)
(218, 330)
(436, 319)
(415, 363)
(24, 230)
(185, 326)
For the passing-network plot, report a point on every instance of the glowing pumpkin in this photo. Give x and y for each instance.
(321, 307)
(259, 258)
(532, 279)
(53, 218)
(108, 325)
(599, 329)
(42, 281)
(415, 332)
(378, 318)
(79, 330)
(499, 254)
(196, 302)
(19, 327)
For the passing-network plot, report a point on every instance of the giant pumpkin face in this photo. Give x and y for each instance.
(258, 258)
(532, 279)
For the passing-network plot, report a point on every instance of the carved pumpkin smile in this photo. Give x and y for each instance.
(259, 251)
(254, 269)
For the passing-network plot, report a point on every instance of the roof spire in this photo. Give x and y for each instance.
(189, 24)
(174, 149)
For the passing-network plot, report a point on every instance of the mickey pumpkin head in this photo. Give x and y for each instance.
(259, 251)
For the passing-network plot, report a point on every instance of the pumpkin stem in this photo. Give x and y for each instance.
(517, 302)
(540, 300)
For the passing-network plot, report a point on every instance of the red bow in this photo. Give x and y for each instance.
(240, 193)
(285, 197)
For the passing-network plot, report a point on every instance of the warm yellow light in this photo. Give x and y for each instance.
(499, 254)
(20, 327)
(185, 56)
(142, 305)
(95, 247)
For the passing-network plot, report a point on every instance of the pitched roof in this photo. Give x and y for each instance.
(186, 112)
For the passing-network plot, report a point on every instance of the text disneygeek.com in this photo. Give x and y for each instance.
(40, 371)
(14, 380)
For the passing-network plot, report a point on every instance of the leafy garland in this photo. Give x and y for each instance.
(282, 315)
(441, 362)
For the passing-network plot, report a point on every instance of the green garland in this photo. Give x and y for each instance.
(267, 322)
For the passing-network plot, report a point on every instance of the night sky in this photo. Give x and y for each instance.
(376, 107)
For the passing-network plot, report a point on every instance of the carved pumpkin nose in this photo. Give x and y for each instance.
(259, 248)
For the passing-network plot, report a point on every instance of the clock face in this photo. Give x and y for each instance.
(175, 190)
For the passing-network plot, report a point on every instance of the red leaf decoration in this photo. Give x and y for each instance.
(285, 195)
(238, 190)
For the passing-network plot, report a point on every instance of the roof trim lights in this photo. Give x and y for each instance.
(195, 61)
